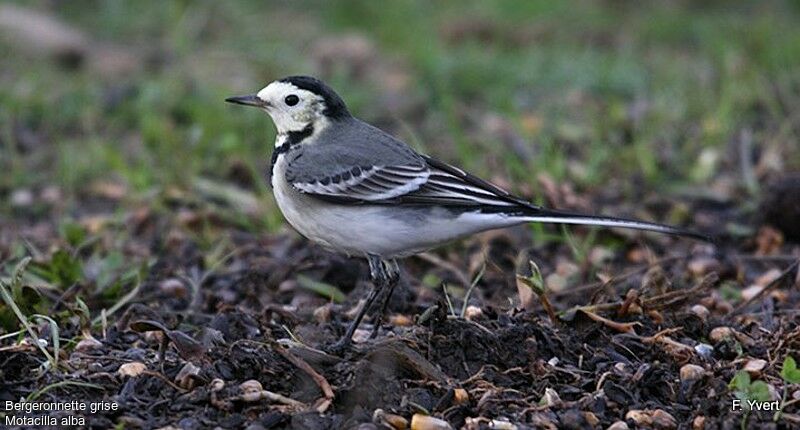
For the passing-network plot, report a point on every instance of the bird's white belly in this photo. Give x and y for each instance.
(387, 231)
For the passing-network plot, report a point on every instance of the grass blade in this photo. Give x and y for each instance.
(54, 334)
(6, 295)
(472, 287)
(321, 288)
(36, 394)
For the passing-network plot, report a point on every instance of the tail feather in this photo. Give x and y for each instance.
(563, 217)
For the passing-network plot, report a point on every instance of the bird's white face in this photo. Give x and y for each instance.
(291, 108)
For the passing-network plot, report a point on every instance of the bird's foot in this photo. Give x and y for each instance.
(341, 346)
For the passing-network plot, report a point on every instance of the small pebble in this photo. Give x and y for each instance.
(173, 287)
(427, 422)
(216, 384)
(501, 424)
(591, 418)
(550, 398)
(718, 334)
(386, 419)
(701, 311)
(618, 425)
(132, 369)
(691, 372)
(460, 396)
(663, 420)
(639, 417)
(473, 312)
(755, 366)
(658, 419)
(88, 344)
(251, 397)
(250, 386)
(704, 349)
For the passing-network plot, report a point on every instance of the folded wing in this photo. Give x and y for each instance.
(367, 184)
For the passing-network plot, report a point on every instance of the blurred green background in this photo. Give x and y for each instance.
(126, 97)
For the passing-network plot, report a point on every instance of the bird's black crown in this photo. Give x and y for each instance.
(334, 105)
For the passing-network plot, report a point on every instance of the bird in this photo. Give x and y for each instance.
(355, 189)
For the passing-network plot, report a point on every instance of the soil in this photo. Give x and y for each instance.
(204, 332)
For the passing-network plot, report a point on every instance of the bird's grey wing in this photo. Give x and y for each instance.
(418, 182)
(450, 186)
(366, 183)
(355, 162)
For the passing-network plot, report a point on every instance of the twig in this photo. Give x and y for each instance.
(792, 418)
(771, 286)
(618, 326)
(663, 338)
(165, 379)
(672, 298)
(658, 302)
(320, 380)
(274, 397)
(617, 279)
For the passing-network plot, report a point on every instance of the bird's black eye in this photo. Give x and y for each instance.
(291, 100)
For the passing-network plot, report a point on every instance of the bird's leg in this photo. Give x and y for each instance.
(393, 277)
(380, 280)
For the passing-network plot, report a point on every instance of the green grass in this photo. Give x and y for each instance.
(702, 74)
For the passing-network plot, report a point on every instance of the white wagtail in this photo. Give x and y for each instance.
(355, 189)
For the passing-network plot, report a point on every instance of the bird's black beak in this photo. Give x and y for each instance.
(248, 100)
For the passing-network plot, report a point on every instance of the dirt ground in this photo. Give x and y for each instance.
(241, 343)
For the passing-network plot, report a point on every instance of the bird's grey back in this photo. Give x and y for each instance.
(344, 145)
